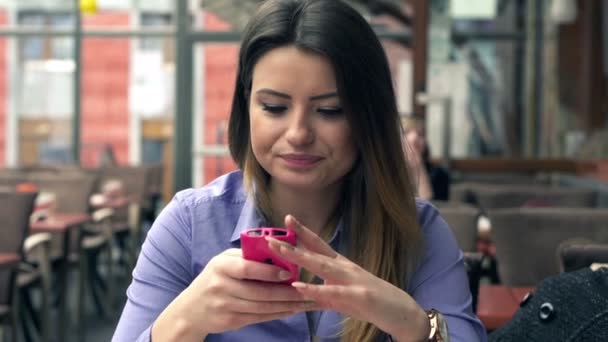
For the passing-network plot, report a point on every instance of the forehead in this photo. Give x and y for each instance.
(292, 69)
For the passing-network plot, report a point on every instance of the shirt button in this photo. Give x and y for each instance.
(547, 312)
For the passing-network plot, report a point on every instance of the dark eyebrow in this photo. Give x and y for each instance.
(273, 92)
(286, 96)
(324, 96)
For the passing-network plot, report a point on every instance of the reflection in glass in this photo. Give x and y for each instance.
(45, 84)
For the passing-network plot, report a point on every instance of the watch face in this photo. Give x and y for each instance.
(438, 326)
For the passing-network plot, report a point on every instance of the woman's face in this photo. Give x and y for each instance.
(299, 132)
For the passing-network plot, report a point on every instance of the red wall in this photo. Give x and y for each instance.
(3, 79)
(105, 82)
(220, 71)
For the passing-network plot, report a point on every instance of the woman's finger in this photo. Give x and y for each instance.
(328, 268)
(308, 238)
(347, 300)
(269, 307)
(239, 268)
(233, 252)
(247, 319)
(261, 291)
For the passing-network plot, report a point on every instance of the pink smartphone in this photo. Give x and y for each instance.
(255, 247)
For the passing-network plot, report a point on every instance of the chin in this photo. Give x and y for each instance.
(299, 182)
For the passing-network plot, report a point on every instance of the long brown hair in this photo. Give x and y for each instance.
(379, 209)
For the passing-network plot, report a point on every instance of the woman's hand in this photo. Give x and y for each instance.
(229, 293)
(350, 289)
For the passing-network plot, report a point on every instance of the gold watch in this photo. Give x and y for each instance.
(439, 327)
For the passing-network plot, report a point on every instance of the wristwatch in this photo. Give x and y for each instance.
(439, 327)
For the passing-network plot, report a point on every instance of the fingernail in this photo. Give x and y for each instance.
(281, 243)
(298, 284)
(284, 275)
(294, 219)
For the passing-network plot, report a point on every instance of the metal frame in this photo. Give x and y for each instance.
(185, 38)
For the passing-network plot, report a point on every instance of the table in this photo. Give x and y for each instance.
(59, 223)
(113, 202)
(8, 260)
(497, 304)
(63, 223)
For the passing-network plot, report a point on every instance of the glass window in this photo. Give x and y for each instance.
(215, 74)
(473, 80)
(42, 48)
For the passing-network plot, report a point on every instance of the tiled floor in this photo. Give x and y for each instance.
(98, 328)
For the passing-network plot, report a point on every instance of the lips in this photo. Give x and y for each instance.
(300, 160)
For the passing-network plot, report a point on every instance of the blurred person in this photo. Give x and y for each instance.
(433, 182)
(107, 157)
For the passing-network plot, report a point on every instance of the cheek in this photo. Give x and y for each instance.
(347, 147)
(255, 132)
(261, 133)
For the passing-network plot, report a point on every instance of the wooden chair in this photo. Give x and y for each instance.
(36, 276)
(127, 222)
(15, 211)
(73, 191)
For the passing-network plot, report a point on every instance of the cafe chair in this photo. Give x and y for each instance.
(15, 210)
(127, 220)
(526, 239)
(501, 196)
(9, 180)
(154, 190)
(462, 219)
(33, 277)
(580, 253)
(99, 239)
(72, 192)
(473, 264)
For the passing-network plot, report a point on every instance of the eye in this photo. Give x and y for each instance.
(330, 111)
(274, 109)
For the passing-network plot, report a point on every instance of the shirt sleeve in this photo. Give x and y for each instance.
(440, 282)
(160, 275)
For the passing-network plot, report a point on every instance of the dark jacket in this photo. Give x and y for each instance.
(572, 306)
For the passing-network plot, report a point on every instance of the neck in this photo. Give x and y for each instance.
(314, 209)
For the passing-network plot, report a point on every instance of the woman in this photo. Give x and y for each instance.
(314, 129)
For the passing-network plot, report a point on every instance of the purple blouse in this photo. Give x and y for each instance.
(201, 223)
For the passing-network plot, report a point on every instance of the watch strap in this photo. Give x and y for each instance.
(439, 327)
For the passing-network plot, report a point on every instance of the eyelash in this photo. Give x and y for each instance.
(327, 111)
(331, 112)
(273, 109)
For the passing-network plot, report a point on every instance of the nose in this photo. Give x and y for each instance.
(300, 131)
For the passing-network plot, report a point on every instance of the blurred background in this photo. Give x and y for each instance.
(510, 95)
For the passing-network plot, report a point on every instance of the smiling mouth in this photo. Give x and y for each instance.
(301, 160)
